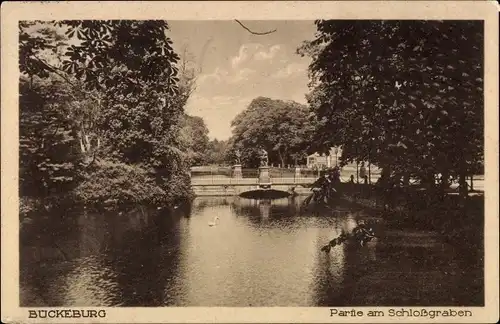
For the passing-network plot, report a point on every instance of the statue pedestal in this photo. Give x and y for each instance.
(237, 171)
(264, 178)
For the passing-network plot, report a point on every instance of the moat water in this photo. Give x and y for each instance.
(259, 253)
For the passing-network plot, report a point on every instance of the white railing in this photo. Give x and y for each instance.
(293, 180)
(248, 181)
(224, 181)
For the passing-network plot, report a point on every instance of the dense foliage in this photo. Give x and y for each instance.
(413, 106)
(101, 91)
(217, 152)
(50, 158)
(194, 136)
(112, 183)
(282, 128)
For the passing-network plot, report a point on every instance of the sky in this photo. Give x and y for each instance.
(236, 66)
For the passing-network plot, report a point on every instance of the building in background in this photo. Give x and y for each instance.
(324, 161)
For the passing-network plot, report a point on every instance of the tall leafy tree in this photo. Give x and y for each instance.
(127, 71)
(194, 137)
(407, 95)
(280, 127)
(50, 157)
(216, 152)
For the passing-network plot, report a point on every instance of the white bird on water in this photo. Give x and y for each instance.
(214, 222)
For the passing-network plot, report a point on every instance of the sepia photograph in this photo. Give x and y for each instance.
(250, 163)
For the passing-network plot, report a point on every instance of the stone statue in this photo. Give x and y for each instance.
(263, 158)
(238, 157)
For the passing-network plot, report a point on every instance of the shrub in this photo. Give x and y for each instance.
(112, 183)
(178, 188)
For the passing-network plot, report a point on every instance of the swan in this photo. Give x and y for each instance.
(214, 222)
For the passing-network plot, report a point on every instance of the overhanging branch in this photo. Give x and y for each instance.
(252, 32)
(60, 73)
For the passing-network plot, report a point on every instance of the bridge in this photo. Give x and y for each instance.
(226, 186)
(233, 183)
(221, 181)
(236, 184)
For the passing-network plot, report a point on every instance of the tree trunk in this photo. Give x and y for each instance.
(406, 179)
(84, 139)
(445, 184)
(462, 185)
(357, 172)
(429, 181)
(462, 181)
(369, 173)
(87, 143)
(82, 145)
(282, 158)
(385, 172)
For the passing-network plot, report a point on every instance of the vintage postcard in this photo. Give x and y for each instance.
(252, 162)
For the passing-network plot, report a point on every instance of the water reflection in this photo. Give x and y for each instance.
(260, 253)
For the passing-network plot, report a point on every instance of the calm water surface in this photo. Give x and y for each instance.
(260, 253)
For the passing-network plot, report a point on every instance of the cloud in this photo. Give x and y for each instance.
(241, 75)
(290, 70)
(268, 55)
(255, 52)
(251, 58)
(222, 76)
(246, 52)
(215, 77)
(256, 70)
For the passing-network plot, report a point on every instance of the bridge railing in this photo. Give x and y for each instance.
(216, 181)
(293, 180)
(223, 181)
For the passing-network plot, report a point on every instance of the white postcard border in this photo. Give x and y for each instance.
(12, 12)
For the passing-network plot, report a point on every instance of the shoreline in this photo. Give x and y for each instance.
(463, 227)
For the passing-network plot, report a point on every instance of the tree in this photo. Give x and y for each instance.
(127, 70)
(193, 132)
(216, 151)
(194, 137)
(407, 95)
(279, 127)
(50, 159)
